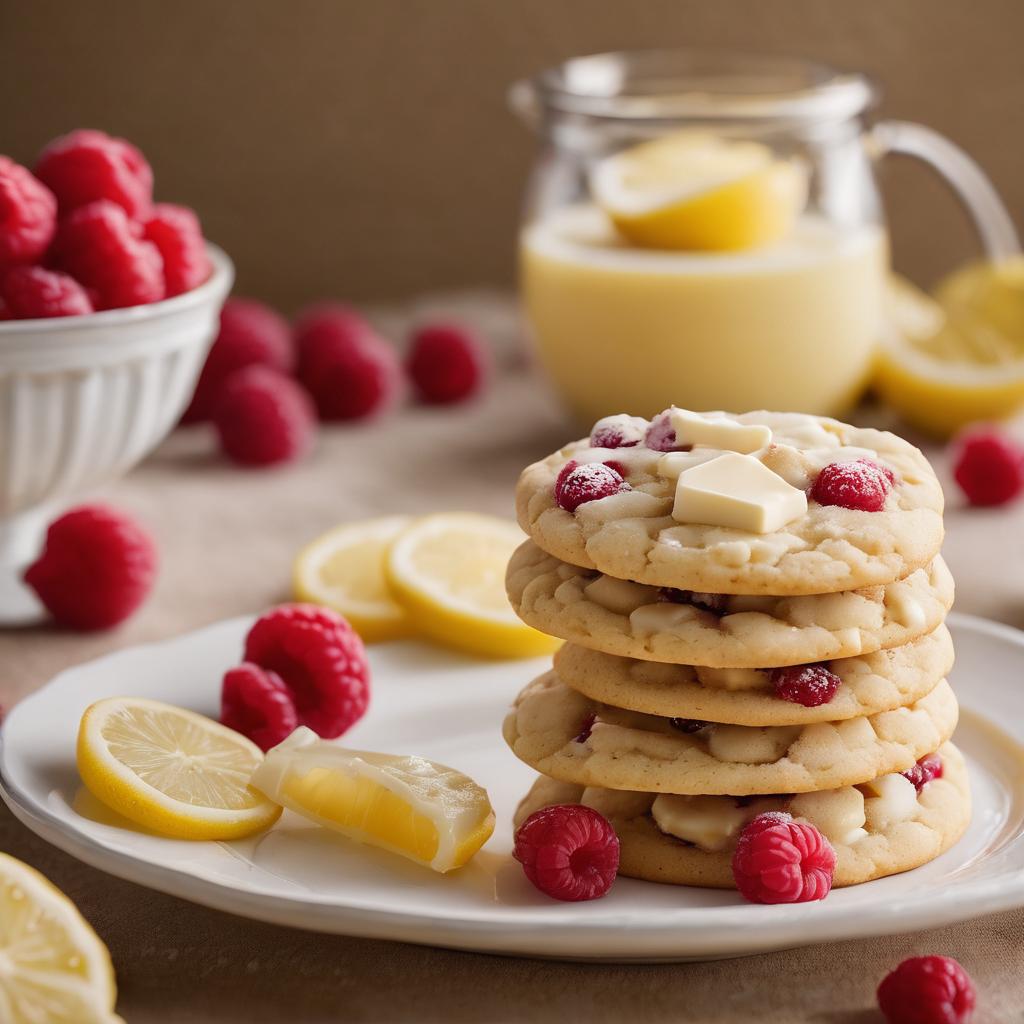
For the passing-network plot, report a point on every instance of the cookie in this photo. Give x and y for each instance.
(560, 732)
(870, 683)
(903, 832)
(633, 535)
(721, 631)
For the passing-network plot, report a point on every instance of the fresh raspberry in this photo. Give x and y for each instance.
(927, 990)
(176, 232)
(87, 165)
(257, 704)
(322, 328)
(783, 862)
(688, 725)
(618, 432)
(33, 293)
(100, 247)
(569, 852)
(96, 568)
(618, 467)
(353, 380)
(446, 363)
(251, 333)
(860, 484)
(321, 660)
(28, 215)
(577, 484)
(988, 466)
(768, 819)
(264, 418)
(928, 768)
(808, 685)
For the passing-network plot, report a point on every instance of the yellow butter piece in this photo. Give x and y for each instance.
(737, 491)
(718, 432)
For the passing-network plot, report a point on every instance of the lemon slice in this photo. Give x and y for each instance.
(53, 967)
(171, 770)
(448, 571)
(344, 570)
(691, 190)
(417, 808)
(989, 293)
(945, 366)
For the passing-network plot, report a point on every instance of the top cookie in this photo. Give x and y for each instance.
(632, 534)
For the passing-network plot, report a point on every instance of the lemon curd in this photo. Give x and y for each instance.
(790, 325)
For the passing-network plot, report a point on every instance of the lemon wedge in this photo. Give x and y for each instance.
(945, 365)
(692, 190)
(988, 293)
(53, 966)
(171, 770)
(422, 810)
(344, 570)
(448, 572)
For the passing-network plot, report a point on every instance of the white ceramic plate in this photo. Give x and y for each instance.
(437, 704)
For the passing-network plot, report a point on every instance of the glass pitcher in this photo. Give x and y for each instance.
(791, 325)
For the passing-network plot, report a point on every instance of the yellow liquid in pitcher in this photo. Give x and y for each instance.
(792, 326)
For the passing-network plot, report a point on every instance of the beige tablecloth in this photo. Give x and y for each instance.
(227, 538)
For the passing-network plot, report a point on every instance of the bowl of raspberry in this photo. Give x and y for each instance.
(109, 302)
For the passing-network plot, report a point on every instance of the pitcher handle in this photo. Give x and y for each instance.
(970, 183)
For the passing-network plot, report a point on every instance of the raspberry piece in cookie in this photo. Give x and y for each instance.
(34, 293)
(860, 484)
(580, 483)
(257, 704)
(321, 660)
(928, 768)
(927, 990)
(28, 215)
(568, 851)
(618, 432)
(783, 862)
(175, 231)
(661, 435)
(807, 685)
(988, 467)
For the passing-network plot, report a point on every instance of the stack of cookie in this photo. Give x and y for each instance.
(754, 613)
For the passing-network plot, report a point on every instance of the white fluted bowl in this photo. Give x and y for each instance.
(82, 399)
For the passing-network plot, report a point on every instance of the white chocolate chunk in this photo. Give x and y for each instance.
(895, 801)
(649, 619)
(619, 596)
(719, 432)
(671, 464)
(744, 744)
(837, 813)
(739, 492)
(706, 821)
(732, 678)
(905, 608)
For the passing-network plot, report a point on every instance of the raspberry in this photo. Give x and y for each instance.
(257, 704)
(175, 231)
(586, 728)
(250, 334)
(783, 862)
(321, 328)
(988, 466)
(100, 247)
(96, 568)
(446, 363)
(87, 165)
(321, 660)
(688, 725)
(808, 685)
(264, 418)
(661, 435)
(716, 604)
(860, 484)
(28, 215)
(577, 484)
(927, 990)
(351, 378)
(618, 432)
(569, 852)
(928, 768)
(33, 293)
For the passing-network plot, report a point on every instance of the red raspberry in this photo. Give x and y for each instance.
(257, 704)
(661, 435)
(860, 484)
(988, 466)
(28, 215)
(577, 484)
(618, 432)
(86, 165)
(688, 726)
(928, 768)
(321, 328)
(569, 852)
(808, 685)
(33, 293)
(264, 418)
(927, 990)
(586, 728)
(783, 862)
(321, 660)
(251, 333)
(176, 232)
(351, 378)
(100, 247)
(96, 568)
(446, 363)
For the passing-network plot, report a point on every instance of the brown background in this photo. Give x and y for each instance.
(362, 148)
